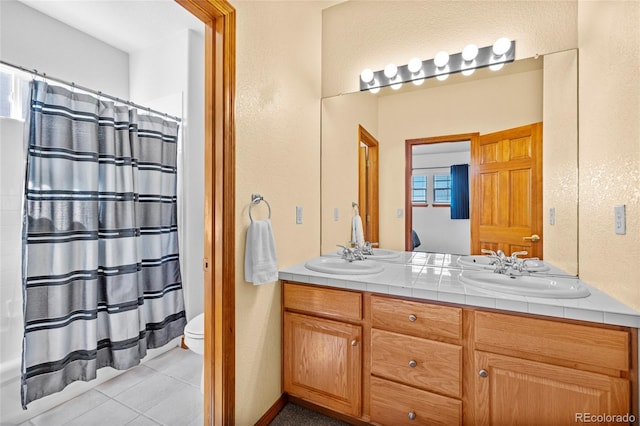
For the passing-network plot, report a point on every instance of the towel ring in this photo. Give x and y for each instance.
(256, 199)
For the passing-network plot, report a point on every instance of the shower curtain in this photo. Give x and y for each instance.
(101, 274)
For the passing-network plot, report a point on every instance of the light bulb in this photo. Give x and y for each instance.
(396, 86)
(501, 46)
(441, 59)
(390, 70)
(418, 82)
(442, 77)
(415, 64)
(468, 71)
(470, 52)
(496, 67)
(374, 90)
(366, 75)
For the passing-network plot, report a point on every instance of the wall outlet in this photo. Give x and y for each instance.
(552, 216)
(620, 217)
(298, 215)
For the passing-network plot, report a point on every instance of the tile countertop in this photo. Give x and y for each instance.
(434, 276)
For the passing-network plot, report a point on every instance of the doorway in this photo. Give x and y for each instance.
(505, 189)
(427, 214)
(368, 184)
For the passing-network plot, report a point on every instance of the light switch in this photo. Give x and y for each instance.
(298, 215)
(552, 216)
(620, 219)
(399, 213)
(336, 214)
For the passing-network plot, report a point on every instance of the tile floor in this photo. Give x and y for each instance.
(162, 391)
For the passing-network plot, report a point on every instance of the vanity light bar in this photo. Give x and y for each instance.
(484, 58)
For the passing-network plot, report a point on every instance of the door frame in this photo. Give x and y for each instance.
(219, 213)
(368, 185)
(408, 171)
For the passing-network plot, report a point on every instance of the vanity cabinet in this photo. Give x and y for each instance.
(547, 371)
(322, 347)
(388, 360)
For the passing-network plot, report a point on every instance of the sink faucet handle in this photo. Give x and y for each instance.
(515, 254)
(489, 252)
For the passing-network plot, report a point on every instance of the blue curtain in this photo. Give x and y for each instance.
(101, 273)
(460, 191)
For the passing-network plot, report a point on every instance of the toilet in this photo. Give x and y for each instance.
(194, 339)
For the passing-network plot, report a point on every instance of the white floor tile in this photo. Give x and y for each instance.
(149, 392)
(145, 421)
(179, 409)
(179, 363)
(68, 411)
(125, 381)
(110, 413)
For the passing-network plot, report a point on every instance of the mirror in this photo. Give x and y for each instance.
(483, 103)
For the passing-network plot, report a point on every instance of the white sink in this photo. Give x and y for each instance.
(526, 285)
(383, 254)
(336, 265)
(485, 262)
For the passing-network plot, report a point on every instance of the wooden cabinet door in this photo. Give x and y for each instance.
(512, 391)
(322, 362)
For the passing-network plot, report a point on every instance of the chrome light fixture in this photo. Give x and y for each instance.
(471, 58)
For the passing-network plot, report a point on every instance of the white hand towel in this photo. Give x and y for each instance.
(357, 233)
(260, 261)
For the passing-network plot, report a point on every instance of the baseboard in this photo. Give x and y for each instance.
(272, 412)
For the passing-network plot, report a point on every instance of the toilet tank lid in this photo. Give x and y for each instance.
(195, 326)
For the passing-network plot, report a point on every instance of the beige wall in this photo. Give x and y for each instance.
(609, 93)
(278, 156)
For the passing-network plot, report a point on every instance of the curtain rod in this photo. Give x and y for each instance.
(95, 92)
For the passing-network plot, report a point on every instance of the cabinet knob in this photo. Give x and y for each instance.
(412, 318)
(354, 342)
(412, 415)
(412, 364)
(483, 373)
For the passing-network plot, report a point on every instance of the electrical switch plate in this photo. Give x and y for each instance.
(552, 216)
(298, 215)
(399, 213)
(620, 219)
(336, 214)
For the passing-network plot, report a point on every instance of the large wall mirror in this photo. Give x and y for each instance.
(527, 91)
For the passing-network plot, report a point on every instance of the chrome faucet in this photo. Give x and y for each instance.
(367, 248)
(512, 265)
(350, 254)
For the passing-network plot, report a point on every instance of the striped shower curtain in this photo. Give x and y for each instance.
(101, 278)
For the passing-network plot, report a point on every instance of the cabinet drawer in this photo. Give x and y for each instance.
(416, 318)
(323, 301)
(395, 404)
(427, 364)
(534, 338)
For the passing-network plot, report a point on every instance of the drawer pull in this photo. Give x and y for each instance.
(412, 318)
(412, 415)
(412, 364)
(354, 342)
(483, 373)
